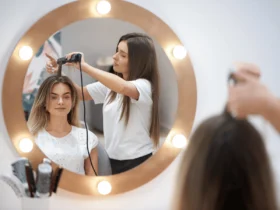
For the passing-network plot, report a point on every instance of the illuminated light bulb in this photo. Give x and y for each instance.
(179, 52)
(25, 53)
(103, 7)
(104, 187)
(179, 141)
(25, 145)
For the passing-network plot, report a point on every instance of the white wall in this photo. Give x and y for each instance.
(215, 33)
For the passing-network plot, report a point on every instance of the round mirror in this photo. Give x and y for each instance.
(103, 25)
(97, 39)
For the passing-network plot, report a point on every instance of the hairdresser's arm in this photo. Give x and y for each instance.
(111, 81)
(94, 157)
(250, 96)
(243, 102)
(272, 113)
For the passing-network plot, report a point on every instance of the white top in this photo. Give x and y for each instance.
(69, 151)
(124, 142)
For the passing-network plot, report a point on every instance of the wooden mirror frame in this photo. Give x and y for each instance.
(77, 11)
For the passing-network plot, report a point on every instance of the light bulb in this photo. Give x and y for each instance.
(25, 145)
(25, 53)
(104, 187)
(179, 141)
(103, 7)
(179, 52)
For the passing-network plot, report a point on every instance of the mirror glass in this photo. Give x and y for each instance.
(97, 39)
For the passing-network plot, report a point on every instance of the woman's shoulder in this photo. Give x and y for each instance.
(143, 84)
(40, 134)
(144, 88)
(42, 138)
(143, 81)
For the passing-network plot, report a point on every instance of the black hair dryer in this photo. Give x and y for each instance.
(75, 58)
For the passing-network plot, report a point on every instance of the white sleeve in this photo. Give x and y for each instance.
(97, 91)
(92, 141)
(145, 91)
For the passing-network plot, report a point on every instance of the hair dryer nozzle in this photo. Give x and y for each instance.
(61, 61)
(75, 58)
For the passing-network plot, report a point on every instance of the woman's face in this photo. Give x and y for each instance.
(121, 59)
(60, 100)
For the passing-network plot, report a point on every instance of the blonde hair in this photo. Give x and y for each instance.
(225, 167)
(39, 116)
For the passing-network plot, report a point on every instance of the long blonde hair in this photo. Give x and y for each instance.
(226, 167)
(39, 116)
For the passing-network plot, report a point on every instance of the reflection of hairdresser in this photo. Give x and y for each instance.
(55, 123)
(130, 98)
(226, 165)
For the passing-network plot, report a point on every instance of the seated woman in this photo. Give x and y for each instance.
(226, 167)
(55, 123)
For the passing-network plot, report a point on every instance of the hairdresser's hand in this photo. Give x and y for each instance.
(51, 65)
(249, 69)
(249, 95)
(76, 65)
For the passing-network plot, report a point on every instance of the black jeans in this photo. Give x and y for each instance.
(119, 166)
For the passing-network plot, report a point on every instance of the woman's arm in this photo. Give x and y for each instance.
(112, 81)
(94, 157)
(250, 96)
(272, 113)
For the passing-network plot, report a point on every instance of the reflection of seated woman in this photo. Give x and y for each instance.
(54, 121)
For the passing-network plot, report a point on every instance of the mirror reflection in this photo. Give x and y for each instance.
(130, 93)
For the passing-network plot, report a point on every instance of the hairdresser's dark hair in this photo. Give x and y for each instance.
(142, 63)
(226, 167)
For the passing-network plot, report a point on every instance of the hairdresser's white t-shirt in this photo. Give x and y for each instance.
(69, 151)
(124, 142)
